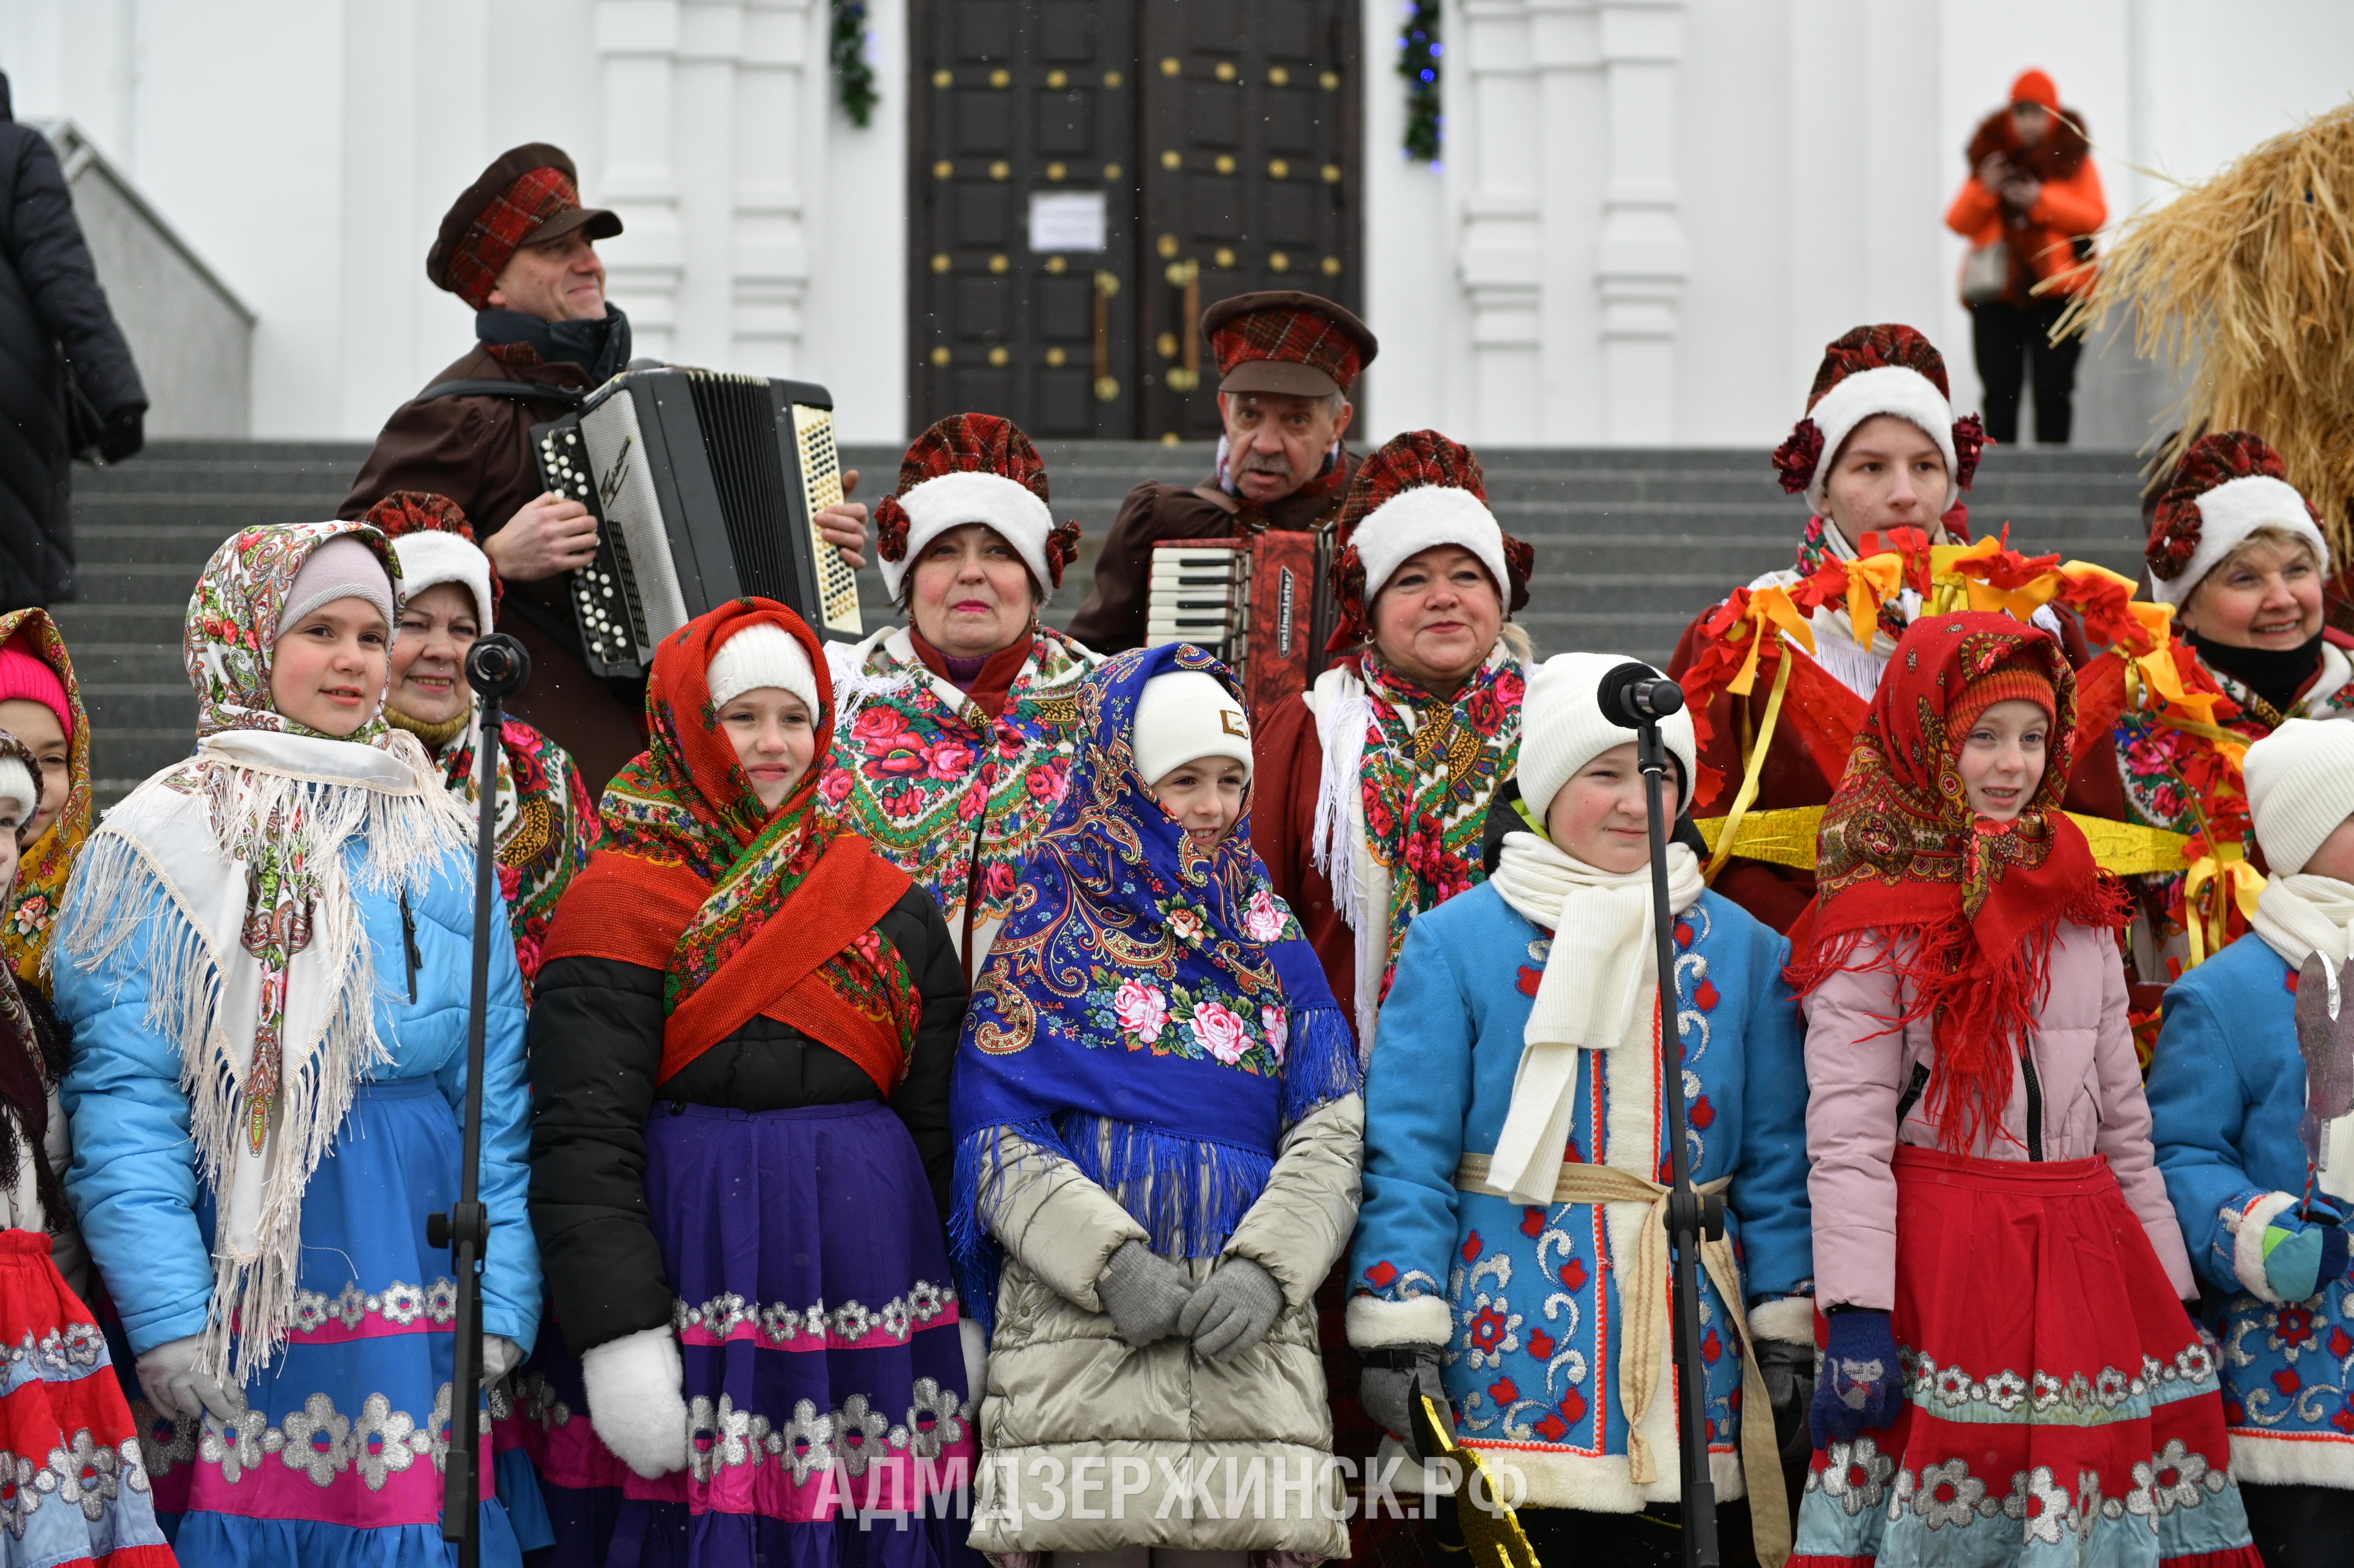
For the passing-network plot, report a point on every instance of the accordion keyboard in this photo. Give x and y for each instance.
(1198, 594)
(612, 619)
(822, 488)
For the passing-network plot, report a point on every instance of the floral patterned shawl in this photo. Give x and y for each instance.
(1149, 1010)
(1413, 776)
(1963, 909)
(945, 793)
(235, 867)
(46, 861)
(751, 912)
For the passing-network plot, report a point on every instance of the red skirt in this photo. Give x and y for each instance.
(72, 1489)
(2060, 1404)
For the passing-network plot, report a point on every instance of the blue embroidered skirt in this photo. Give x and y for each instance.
(824, 1368)
(338, 1458)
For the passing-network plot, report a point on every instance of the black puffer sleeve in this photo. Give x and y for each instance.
(596, 1047)
(922, 1102)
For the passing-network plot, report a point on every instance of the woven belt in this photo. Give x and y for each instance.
(1643, 1299)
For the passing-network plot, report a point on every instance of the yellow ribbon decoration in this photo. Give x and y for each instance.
(1787, 837)
(1769, 607)
(2235, 880)
(1872, 582)
(1756, 766)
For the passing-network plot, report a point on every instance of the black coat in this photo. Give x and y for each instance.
(49, 297)
(596, 1044)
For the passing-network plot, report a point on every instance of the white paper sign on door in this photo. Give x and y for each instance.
(1066, 220)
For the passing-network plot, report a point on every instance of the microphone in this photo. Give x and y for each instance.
(1635, 694)
(496, 665)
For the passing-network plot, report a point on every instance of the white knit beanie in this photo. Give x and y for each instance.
(17, 784)
(2300, 783)
(431, 557)
(762, 654)
(1184, 715)
(1562, 727)
(342, 567)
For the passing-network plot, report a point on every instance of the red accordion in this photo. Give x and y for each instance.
(1260, 601)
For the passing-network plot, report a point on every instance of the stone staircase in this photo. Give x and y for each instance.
(1630, 543)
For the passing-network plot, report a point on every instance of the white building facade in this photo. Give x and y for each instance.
(1647, 217)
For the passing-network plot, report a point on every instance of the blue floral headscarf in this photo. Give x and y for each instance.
(1149, 1010)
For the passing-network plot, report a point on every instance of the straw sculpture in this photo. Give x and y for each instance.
(2244, 284)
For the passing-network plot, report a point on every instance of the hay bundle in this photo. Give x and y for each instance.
(2246, 281)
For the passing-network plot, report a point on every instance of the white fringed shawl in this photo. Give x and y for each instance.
(171, 865)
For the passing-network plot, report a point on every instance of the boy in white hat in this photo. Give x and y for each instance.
(1509, 1253)
(2228, 1090)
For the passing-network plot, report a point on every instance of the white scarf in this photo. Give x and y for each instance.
(2297, 917)
(1599, 977)
(172, 860)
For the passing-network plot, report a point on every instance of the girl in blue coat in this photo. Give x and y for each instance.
(1515, 1155)
(265, 960)
(2263, 1211)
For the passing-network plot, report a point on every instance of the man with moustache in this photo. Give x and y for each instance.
(1286, 362)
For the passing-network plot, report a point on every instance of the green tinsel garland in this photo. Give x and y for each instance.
(1418, 52)
(853, 77)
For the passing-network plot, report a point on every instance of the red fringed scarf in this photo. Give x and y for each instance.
(1965, 909)
(750, 913)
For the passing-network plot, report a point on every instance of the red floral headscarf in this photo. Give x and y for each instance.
(1965, 907)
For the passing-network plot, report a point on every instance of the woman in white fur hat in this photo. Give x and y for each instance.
(546, 822)
(2263, 1208)
(2242, 557)
(1512, 1252)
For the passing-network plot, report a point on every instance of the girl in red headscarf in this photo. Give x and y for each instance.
(2000, 1272)
(740, 1151)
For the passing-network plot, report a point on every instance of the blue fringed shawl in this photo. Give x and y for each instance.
(1149, 1012)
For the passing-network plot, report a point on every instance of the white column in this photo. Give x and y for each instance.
(779, 131)
(637, 47)
(1643, 261)
(1494, 146)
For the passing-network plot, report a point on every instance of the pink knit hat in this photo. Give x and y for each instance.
(25, 674)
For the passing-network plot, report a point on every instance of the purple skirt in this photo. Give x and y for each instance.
(830, 1426)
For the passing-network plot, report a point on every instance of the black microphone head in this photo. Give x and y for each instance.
(1634, 694)
(497, 665)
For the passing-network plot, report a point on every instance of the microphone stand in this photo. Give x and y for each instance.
(496, 666)
(1635, 693)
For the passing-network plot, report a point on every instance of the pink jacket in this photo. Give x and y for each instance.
(2088, 1085)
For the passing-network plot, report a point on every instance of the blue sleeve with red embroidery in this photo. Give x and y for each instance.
(1768, 1194)
(1417, 1091)
(2199, 1104)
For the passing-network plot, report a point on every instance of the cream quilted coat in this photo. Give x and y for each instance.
(1162, 1446)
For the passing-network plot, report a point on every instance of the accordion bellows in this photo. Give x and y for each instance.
(706, 487)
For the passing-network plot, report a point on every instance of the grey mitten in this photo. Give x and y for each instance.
(1233, 1311)
(1392, 1383)
(501, 1356)
(1144, 1292)
(175, 1382)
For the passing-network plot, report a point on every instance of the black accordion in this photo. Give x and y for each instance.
(705, 487)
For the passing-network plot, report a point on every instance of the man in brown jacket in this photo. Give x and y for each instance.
(1286, 362)
(520, 248)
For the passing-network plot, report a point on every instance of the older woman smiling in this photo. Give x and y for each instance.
(954, 737)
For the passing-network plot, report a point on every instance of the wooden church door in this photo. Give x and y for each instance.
(1087, 176)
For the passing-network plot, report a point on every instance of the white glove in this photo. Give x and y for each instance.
(172, 1377)
(637, 1401)
(501, 1356)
